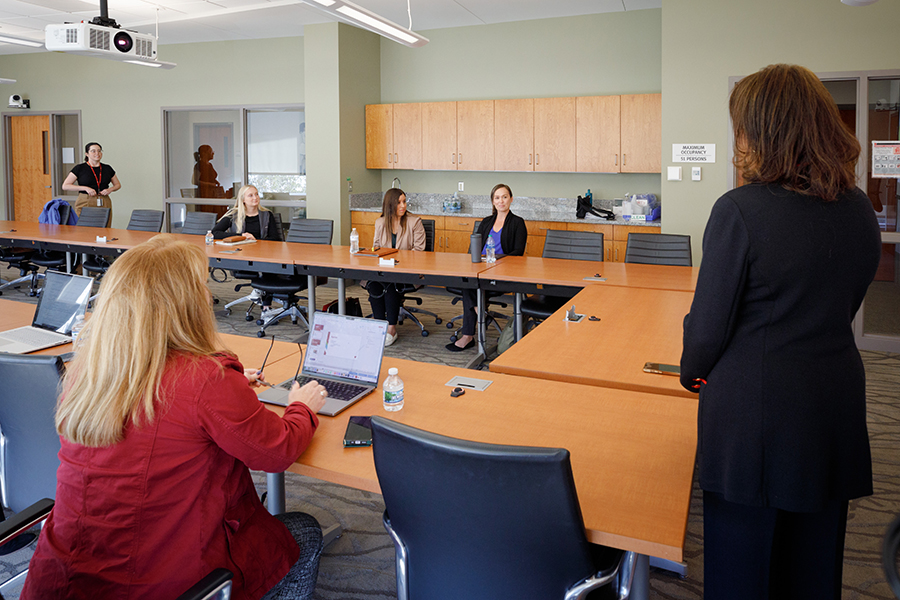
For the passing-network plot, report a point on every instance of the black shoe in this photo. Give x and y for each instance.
(452, 347)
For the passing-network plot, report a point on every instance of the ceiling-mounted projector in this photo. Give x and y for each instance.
(91, 39)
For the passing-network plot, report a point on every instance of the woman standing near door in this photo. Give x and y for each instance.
(93, 180)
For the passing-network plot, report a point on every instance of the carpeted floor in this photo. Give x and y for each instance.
(360, 564)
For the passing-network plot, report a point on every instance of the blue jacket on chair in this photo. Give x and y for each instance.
(50, 213)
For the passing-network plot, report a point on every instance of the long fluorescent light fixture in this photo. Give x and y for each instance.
(360, 17)
(20, 41)
(158, 64)
(859, 2)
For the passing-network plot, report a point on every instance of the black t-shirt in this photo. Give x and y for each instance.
(88, 176)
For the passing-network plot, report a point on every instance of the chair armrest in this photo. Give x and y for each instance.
(889, 556)
(208, 587)
(25, 519)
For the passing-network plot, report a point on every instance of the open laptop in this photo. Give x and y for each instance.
(63, 298)
(343, 354)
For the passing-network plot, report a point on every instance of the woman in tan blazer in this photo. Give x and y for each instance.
(395, 228)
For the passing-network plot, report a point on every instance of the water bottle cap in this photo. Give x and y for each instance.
(393, 371)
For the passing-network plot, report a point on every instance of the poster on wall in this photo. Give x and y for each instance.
(886, 159)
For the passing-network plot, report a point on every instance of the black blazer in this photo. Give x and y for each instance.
(513, 236)
(782, 419)
(268, 226)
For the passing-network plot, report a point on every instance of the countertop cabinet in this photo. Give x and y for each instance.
(641, 133)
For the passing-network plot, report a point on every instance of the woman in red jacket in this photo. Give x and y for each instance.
(159, 426)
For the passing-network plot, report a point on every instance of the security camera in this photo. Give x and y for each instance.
(16, 101)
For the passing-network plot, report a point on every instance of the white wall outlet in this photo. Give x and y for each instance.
(674, 173)
(462, 186)
(695, 173)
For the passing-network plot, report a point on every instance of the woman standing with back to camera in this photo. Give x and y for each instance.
(93, 180)
(787, 260)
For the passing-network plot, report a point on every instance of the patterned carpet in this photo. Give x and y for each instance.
(360, 564)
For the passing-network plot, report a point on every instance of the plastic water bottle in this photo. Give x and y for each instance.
(354, 241)
(77, 326)
(490, 251)
(209, 238)
(392, 391)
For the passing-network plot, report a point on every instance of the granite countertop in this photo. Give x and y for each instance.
(561, 210)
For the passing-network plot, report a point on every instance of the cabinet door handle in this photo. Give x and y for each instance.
(624, 156)
(460, 158)
(617, 254)
(453, 158)
(607, 254)
(617, 160)
(529, 159)
(537, 159)
(395, 158)
(389, 158)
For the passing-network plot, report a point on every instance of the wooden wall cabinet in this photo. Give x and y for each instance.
(591, 134)
(396, 136)
(554, 135)
(641, 133)
(597, 134)
(364, 223)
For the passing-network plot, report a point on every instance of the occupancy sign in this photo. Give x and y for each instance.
(886, 159)
(699, 153)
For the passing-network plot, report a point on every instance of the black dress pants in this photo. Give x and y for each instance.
(756, 553)
(385, 301)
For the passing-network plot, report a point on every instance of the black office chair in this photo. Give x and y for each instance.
(491, 317)
(253, 299)
(890, 556)
(406, 312)
(141, 220)
(198, 223)
(91, 216)
(569, 245)
(286, 287)
(475, 520)
(18, 258)
(29, 444)
(659, 249)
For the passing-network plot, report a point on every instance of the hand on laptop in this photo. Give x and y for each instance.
(312, 395)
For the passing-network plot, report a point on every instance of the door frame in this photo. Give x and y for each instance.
(55, 154)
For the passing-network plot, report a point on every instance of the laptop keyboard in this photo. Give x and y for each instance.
(336, 389)
(33, 337)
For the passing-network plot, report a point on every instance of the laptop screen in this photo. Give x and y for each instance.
(63, 298)
(346, 347)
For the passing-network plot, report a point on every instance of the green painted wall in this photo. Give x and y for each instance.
(704, 42)
(121, 104)
(608, 54)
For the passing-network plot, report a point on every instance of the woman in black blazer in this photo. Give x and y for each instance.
(787, 260)
(510, 235)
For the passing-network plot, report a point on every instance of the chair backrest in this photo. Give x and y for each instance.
(64, 211)
(659, 249)
(198, 223)
(310, 231)
(93, 216)
(428, 224)
(478, 520)
(573, 245)
(146, 220)
(476, 226)
(29, 444)
(278, 223)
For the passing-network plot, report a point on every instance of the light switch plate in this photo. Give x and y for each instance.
(695, 173)
(674, 174)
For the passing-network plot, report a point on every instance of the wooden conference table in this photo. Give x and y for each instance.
(632, 453)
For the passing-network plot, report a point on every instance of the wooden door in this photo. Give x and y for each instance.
(554, 134)
(475, 135)
(30, 154)
(407, 136)
(641, 133)
(379, 136)
(514, 135)
(439, 136)
(597, 134)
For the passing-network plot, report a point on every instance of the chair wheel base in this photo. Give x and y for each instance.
(250, 318)
(424, 333)
(449, 325)
(258, 322)
(453, 338)
(260, 334)
(438, 321)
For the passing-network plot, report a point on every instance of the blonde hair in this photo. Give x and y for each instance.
(153, 302)
(238, 212)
